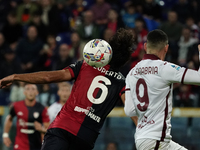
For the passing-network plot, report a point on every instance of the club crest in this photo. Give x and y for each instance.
(36, 115)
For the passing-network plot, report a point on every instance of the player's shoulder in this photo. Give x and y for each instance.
(18, 103)
(38, 106)
(55, 104)
(170, 66)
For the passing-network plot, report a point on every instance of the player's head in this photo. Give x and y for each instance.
(30, 91)
(122, 45)
(64, 91)
(157, 41)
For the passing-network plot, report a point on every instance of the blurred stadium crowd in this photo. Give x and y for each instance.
(39, 35)
(43, 35)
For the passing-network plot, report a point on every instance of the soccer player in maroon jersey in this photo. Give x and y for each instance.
(32, 120)
(94, 94)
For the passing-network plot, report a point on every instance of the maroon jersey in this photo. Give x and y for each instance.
(27, 138)
(94, 94)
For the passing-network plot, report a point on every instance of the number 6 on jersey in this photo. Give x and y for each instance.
(96, 84)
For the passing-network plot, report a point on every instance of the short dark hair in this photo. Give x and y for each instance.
(122, 45)
(156, 39)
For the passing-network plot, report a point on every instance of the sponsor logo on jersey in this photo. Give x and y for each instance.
(20, 113)
(89, 112)
(36, 115)
(176, 67)
(16, 146)
(145, 122)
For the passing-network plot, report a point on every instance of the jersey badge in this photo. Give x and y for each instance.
(20, 113)
(36, 115)
(176, 67)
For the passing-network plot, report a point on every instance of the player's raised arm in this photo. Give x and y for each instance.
(37, 77)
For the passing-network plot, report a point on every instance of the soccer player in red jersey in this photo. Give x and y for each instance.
(94, 94)
(32, 120)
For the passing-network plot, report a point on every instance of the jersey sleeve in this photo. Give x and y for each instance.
(12, 111)
(74, 69)
(45, 115)
(129, 107)
(172, 73)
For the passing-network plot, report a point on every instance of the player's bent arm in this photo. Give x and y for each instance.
(37, 77)
(41, 128)
(133, 118)
(7, 127)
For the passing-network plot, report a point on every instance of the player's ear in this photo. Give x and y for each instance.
(145, 46)
(166, 48)
(37, 92)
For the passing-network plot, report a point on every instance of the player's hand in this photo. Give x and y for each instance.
(7, 81)
(38, 126)
(199, 47)
(7, 141)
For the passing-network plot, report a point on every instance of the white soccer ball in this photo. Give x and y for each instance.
(97, 53)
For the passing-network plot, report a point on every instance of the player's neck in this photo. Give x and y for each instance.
(61, 102)
(30, 103)
(158, 54)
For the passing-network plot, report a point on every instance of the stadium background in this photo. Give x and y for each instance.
(40, 35)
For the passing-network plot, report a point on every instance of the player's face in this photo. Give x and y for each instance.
(64, 92)
(30, 92)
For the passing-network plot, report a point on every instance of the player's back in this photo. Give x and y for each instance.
(94, 94)
(151, 95)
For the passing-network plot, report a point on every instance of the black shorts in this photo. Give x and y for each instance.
(66, 141)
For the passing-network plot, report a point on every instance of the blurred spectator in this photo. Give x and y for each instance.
(130, 16)
(10, 65)
(184, 43)
(173, 29)
(116, 4)
(88, 30)
(46, 97)
(140, 30)
(138, 48)
(41, 28)
(64, 59)
(6, 7)
(77, 12)
(64, 91)
(112, 146)
(182, 10)
(12, 30)
(195, 11)
(114, 20)
(108, 33)
(193, 27)
(76, 47)
(17, 92)
(50, 16)
(185, 97)
(49, 53)
(3, 46)
(28, 50)
(152, 10)
(65, 15)
(25, 11)
(100, 10)
(193, 56)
